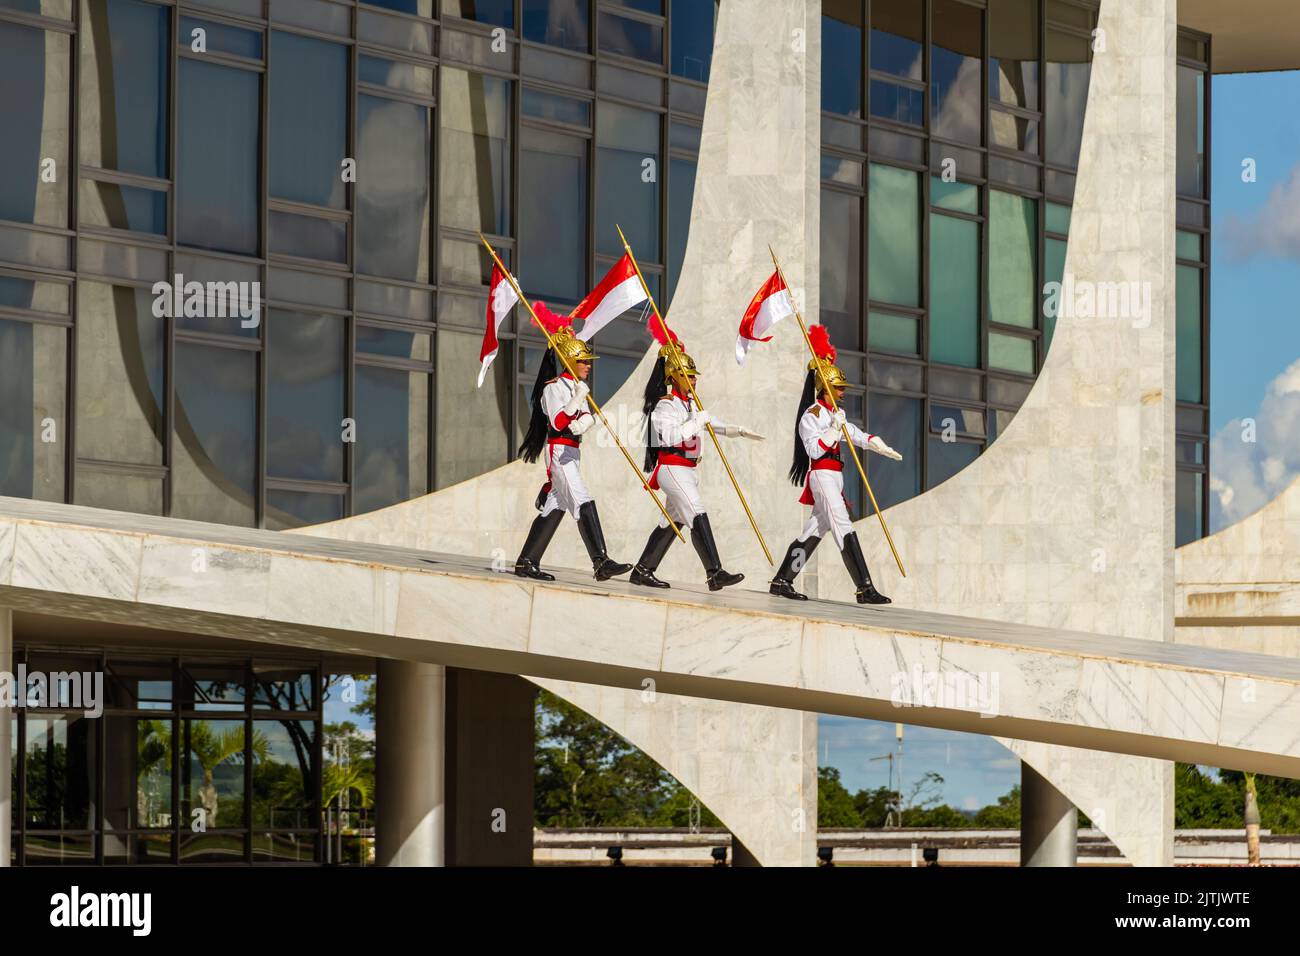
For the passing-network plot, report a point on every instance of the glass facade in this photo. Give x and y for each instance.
(951, 132)
(330, 161)
(192, 761)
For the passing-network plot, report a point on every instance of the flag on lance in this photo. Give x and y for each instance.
(501, 299)
(619, 291)
(769, 306)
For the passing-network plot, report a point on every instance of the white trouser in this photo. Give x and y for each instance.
(681, 486)
(568, 491)
(829, 512)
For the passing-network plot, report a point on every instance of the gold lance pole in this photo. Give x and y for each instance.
(564, 359)
(847, 440)
(696, 398)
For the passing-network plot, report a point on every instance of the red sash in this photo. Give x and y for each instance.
(825, 463)
(668, 458)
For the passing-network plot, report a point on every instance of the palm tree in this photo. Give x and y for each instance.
(210, 748)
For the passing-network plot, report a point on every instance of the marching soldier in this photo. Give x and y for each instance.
(560, 418)
(818, 466)
(674, 436)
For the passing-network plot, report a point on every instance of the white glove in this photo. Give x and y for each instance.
(877, 444)
(695, 424)
(746, 433)
(581, 424)
(736, 431)
(838, 418)
(579, 399)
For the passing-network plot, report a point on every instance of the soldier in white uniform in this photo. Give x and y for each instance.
(818, 466)
(560, 418)
(675, 432)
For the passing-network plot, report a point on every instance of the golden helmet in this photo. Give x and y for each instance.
(832, 374)
(678, 364)
(568, 346)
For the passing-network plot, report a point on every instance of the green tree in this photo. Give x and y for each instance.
(834, 803)
(1003, 815)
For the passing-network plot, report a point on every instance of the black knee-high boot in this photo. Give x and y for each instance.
(707, 548)
(539, 536)
(796, 556)
(661, 539)
(592, 536)
(857, 566)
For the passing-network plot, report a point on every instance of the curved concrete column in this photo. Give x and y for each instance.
(410, 769)
(1240, 589)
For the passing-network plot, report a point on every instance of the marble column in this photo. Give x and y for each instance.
(410, 773)
(1049, 822)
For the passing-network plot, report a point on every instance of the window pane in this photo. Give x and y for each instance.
(1058, 218)
(899, 103)
(1013, 52)
(1053, 272)
(614, 370)
(212, 773)
(681, 195)
(1011, 353)
(473, 424)
(221, 38)
(692, 38)
(1013, 132)
(553, 215)
(217, 180)
(124, 66)
(1188, 245)
(842, 57)
(309, 119)
(496, 12)
(896, 37)
(140, 494)
(304, 396)
(963, 197)
(32, 395)
(841, 266)
(474, 169)
(138, 768)
(1188, 305)
(308, 237)
(955, 67)
(35, 124)
(19, 293)
(553, 106)
(294, 509)
(214, 446)
(61, 785)
(894, 246)
(893, 333)
(283, 773)
(627, 180)
(898, 421)
(1189, 498)
(123, 207)
(1191, 132)
(954, 291)
(561, 23)
(392, 413)
(946, 458)
(392, 190)
(1069, 65)
(120, 353)
(397, 76)
(632, 38)
(1013, 239)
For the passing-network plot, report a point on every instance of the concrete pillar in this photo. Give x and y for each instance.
(1049, 823)
(410, 777)
(6, 731)
(491, 767)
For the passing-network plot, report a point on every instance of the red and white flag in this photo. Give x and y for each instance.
(619, 291)
(501, 299)
(769, 306)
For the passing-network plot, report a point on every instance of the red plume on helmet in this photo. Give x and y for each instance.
(821, 343)
(548, 319)
(657, 330)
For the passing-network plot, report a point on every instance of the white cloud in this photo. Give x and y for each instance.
(971, 802)
(1246, 475)
(1272, 231)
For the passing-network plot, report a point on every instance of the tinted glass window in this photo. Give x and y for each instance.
(35, 124)
(954, 291)
(561, 23)
(692, 38)
(895, 245)
(474, 169)
(627, 180)
(553, 215)
(955, 68)
(304, 413)
(392, 413)
(214, 446)
(392, 191)
(309, 119)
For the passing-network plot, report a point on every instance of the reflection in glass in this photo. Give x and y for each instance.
(1191, 131)
(557, 108)
(955, 88)
(212, 770)
(1068, 68)
(138, 766)
(632, 38)
(294, 509)
(496, 12)
(1189, 500)
(474, 168)
(627, 180)
(124, 67)
(553, 215)
(120, 352)
(1053, 272)
(946, 458)
(1013, 241)
(692, 27)
(304, 398)
(33, 360)
(308, 237)
(894, 246)
(392, 413)
(60, 770)
(842, 57)
(898, 421)
(217, 156)
(1187, 304)
(841, 267)
(115, 206)
(215, 444)
(309, 119)
(392, 190)
(561, 23)
(35, 124)
(681, 194)
(283, 774)
(473, 427)
(896, 37)
(1013, 52)
(954, 291)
